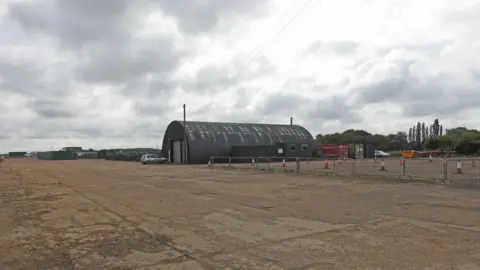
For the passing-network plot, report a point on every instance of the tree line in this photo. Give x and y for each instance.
(420, 136)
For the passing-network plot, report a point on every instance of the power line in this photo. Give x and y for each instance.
(299, 11)
(257, 47)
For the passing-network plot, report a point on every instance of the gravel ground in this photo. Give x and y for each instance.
(90, 214)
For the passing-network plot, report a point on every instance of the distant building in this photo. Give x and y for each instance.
(207, 139)
(72, 148)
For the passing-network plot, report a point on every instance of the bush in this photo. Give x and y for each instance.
(467, 147)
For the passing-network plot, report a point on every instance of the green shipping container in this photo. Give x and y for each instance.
(57, 155)
(64, 155)
(87, 155)
(102, 154)
(44, 155)
(16, 154)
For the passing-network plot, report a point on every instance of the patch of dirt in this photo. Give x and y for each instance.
(91, 214)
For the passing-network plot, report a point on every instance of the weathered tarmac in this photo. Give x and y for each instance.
(91, 214)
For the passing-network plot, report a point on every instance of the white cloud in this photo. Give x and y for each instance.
(115, 74)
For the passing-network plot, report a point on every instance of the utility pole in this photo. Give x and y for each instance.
(185, 133)
(291, 121)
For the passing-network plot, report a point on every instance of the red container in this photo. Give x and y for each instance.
(338, 150)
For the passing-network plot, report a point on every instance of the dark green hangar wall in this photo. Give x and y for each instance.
(206, 139)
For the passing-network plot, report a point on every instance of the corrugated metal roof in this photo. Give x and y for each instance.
(246, 134)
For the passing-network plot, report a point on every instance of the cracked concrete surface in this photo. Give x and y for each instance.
(89, 214)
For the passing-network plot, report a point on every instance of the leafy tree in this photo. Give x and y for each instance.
(414, 135)
(418, 136)
(436, 128)
(433, 143)
(460, 139)
(389, 142)
(423, 134)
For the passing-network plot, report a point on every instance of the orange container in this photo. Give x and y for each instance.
(408, 154)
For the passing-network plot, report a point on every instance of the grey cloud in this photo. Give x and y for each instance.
(443, 103)
(202, 110)
(74, 23)
(244, 97)
(282, 104)
(6, 131)
(19, 77)
(464, 17)
(239, 116)
(90, 129)
(46, 129)
(78, 22)
(209, 79)
(335, 108)
(50, 108)
(54, 113)
(387, 89)
(99, 46)
(343, 48)
(332, 108)
(289, 101)
(216, 78)
(196, 17)
(430, 48)
(417, 94)
(33, 78)
(151, 108)
(119, 63)
(102, 35)
(159, 85)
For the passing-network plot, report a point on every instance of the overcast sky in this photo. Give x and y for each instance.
(114, 73)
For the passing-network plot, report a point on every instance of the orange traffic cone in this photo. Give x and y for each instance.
(325, 165)
(473, 163)
(284, 164)
(459, 167)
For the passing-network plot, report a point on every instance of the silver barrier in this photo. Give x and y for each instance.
(439, 170)
(269, 164)
(463, 170)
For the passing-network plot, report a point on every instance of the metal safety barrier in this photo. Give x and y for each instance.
(439, 170)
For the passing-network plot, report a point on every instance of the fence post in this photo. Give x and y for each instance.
(478, 172)
(297, 161)
(354, 169)
(445, 170)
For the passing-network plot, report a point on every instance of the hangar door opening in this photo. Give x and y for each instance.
(177, 151)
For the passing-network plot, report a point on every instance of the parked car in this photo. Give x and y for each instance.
(379, 153)
(152, 158)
